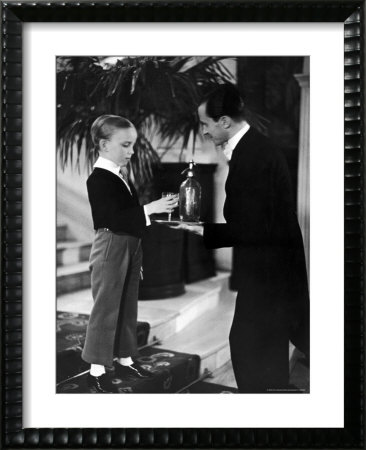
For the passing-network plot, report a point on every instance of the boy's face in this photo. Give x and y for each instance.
(119, 147)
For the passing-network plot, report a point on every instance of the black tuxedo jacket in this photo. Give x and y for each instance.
(112, 204)
(261, 224)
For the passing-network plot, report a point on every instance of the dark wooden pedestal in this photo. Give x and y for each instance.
(162, 262)
(173, 258)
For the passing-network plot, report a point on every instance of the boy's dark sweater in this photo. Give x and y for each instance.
(113, 206)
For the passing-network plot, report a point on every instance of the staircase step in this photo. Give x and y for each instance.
(80, 302)
(71, 330)
(165, 317)
(72, 252)
(62, 232)
(170, 372)
(224, 375)
(205, 387)
(70, 338)
(170, 316)
(73, 277)
(197, 322)
(208, 336)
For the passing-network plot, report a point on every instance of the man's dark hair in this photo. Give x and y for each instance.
(225, 100)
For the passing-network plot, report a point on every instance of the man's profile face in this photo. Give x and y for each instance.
(210, 128)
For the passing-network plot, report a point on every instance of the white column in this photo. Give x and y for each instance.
(303, 185)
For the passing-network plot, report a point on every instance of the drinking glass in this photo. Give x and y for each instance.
(168, 194)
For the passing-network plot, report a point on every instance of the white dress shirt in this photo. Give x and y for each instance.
(233, 141)
(107, 164)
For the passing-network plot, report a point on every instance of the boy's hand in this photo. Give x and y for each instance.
(163, 205)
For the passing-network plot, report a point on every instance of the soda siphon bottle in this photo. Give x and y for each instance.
(190, 196)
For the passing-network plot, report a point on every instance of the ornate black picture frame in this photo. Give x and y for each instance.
(352, 13)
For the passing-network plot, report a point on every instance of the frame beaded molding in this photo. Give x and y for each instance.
(352, 13)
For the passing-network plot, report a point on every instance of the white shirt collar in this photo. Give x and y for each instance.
(107, 164)
(233, 141)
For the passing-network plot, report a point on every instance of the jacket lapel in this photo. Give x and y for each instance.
(239, 150)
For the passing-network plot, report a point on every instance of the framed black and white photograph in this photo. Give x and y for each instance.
(184, 306)
(182, 192)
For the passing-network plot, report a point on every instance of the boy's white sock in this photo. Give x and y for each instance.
(96, 370)
(125, 361)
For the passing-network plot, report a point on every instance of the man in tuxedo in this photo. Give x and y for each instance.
(272, 305)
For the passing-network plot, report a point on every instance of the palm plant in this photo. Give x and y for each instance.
(158, 94)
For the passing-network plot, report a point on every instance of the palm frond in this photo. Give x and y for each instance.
(158, 94)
